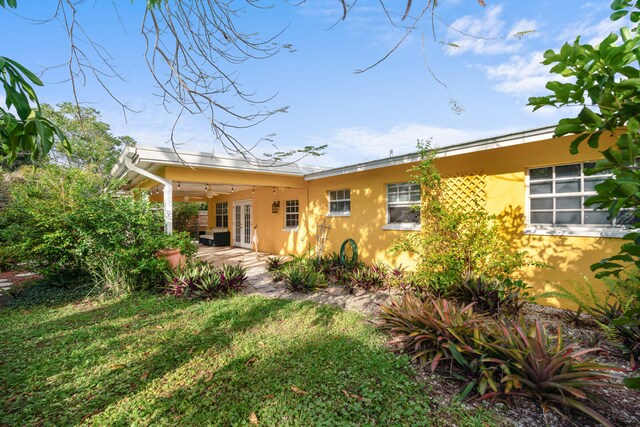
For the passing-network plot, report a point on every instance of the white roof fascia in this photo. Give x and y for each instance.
(502, 141)
(167, 157)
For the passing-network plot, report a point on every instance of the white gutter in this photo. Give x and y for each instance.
(167, 192)
(448, 151)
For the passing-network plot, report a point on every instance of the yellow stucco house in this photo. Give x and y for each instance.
(529, 179)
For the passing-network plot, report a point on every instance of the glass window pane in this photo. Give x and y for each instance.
(568, 217)
(541, 217)
(568, 171)
(596, 217)
(542, 203)
(568, 187)
(333, 206)
(347, 206)
(541, 188)
(540, 173)
(403, 214)
(590, 184)
(568, 202)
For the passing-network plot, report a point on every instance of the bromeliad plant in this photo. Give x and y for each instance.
(497, 358)
(199, 279)
(429, 330)
(302, 278)
(544, 369)
(493, 297)
(367, 278)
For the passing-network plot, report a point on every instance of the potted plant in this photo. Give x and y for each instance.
(176, 248)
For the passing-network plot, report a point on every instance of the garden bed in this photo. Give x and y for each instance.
(620, 405)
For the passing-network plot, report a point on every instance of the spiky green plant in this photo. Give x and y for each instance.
(275, 263)
(232, 277)
(428, 330)
(300, 278)
(367, 278)
(544, 369)
(494, 296)
(199, 279)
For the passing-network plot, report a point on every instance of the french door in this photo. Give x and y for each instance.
(242, 224)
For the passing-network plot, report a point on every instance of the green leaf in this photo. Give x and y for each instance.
(25, 71)
(619, 14)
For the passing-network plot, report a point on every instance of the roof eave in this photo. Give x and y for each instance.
(501, 141)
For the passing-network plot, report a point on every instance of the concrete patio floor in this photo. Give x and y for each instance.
(260, 282)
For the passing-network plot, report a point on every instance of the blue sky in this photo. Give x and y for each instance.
(360, 116)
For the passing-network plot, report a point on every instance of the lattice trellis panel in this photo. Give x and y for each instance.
(465, 191)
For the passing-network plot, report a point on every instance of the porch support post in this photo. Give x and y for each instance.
(168, 207)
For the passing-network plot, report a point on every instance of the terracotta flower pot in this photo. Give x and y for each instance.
(173, 256)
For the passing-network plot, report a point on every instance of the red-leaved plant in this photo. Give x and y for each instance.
(544, 369)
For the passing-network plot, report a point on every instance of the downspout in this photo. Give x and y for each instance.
(167, 192)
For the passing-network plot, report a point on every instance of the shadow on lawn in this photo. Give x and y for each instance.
(317, 375)
(67, 368)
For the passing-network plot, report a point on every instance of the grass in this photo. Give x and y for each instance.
(156, 360)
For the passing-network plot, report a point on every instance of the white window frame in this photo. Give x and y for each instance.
(346, 199)
(410, 226)
(579, 230)
(291, 214)
(223, 216)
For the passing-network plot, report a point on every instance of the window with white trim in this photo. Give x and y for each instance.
(403, 201)
(291, 213)
(340, 202)
(557, 194)
(222, 219)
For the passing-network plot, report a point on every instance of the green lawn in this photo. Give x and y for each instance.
(155, 360)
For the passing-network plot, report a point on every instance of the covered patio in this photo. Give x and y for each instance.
(260, 205)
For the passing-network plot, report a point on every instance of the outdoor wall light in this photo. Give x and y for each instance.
(232, 189)
(253, 191)
(178, 185)
(206, 187)
(275, 207)
(274, 190)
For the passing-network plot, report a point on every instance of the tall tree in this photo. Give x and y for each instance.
(90, 141)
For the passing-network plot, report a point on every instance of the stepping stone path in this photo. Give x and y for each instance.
(5, 284)
(260, 282)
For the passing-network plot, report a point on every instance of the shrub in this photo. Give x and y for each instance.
(546, 370)
(493, 296)
(455, 241)
(301, 278)
(8, 259)
(69, 221)
(618, 314)
(199, 279)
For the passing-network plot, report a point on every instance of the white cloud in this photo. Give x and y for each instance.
(487, 34)
(357, 144)
(521, 75)
(590, 32)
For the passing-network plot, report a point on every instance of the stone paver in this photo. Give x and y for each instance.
(261, 282)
